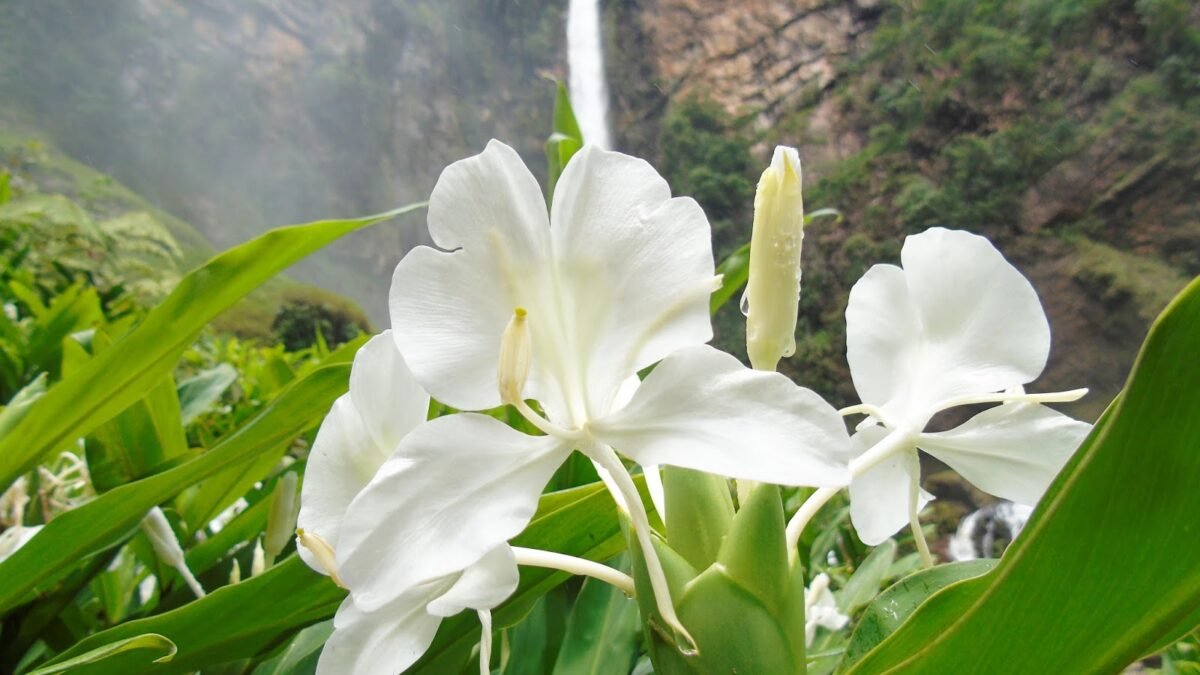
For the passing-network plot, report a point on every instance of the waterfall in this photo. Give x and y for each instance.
(585, 58)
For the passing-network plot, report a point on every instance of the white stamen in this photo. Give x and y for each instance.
(322, 551)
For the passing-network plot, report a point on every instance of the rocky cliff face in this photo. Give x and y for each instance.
(1065, 131)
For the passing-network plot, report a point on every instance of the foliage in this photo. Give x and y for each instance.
(308, 316)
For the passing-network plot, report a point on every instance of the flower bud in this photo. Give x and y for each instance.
(773, 289)
(281, 517)
(166, 547)
(514, 358)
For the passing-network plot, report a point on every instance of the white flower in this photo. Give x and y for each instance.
(566, 309)
(820, 609)
(361, 431)
(15, 537)
(957, 325)
(773, 287)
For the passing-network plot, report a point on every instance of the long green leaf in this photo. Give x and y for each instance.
(892, 607)
(1106, 567)
(864, 583)
(107, 520)
(161, 650)
(602, 633)
(109, 383)
(231, 623)
(243, 620)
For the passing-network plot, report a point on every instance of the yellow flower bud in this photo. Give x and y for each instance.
(773, 289)
(514, 358)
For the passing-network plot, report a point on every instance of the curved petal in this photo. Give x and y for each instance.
(362, 428)
(981, 325)
(1013, 451)
(483, 585)
(702, 409)
(385, 393)
(341, 463)
(449, 309)
(382, 642)
(879, 497)
(883, 338)
(636, 267)
(455, 488)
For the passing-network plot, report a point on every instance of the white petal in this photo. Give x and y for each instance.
(449, 309)
(636, 267)
(1013, 451)
(981, 327)
(483, 585)
(15, 537)
(382, 642)
(879, 497)
(702, 409)
(342, 462)
(456, 487)
(385, 393)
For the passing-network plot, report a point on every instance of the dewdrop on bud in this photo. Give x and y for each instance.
(166, 547)
(514, 358)
(281, 517)
(771, 301)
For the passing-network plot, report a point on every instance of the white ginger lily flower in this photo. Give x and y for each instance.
(820, 609)
(565, 310)
(361, 431)
(956, 325)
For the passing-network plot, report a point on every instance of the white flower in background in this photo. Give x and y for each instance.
(772, 293)
(565, 310)
(820, 609)
(955, 325)
(361, 431)
(15, 537)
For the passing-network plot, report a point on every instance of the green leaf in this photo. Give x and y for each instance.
(864, 584)
(602, 632)
(138, 441)
(112, 381)
(300, 655)
(892, 607)
(107, 520)
(198, 394)
(565, 139)
(160, 647)
(1106, 566)
(21, 402)
(232, 622)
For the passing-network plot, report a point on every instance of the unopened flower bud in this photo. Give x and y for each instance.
(258, 563)
(514, 358)
(166, 547)
(281, 517)
(773, 289)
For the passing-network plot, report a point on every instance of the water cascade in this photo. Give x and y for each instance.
(585, 58)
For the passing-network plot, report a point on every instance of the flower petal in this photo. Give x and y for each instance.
(385, 393)
(980, 325)
(483, 585)
(455, 488)
(636, 267)
(382, 642)
(702, 409)
(1013, 451)
(356, 438)
(449, 309)
(342, 462)
(879, 497)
